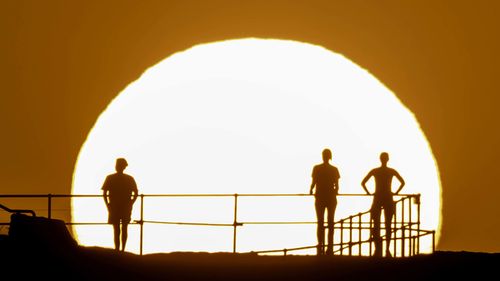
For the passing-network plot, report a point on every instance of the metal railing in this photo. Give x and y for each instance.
(409, 231)
(17, 211)
(349, 231)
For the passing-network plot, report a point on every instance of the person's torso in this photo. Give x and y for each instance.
(326, 176)
(120, 188)
(383, 181)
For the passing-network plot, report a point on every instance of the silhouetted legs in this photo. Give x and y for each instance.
(388, 214)
(330, 215)
(116, 232)
(321, 206)
(124, 235)
(377, 239)
(375, 217)
(320, 231)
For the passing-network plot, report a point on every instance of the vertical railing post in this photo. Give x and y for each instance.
(359, 234)
(433, 241)
(49, 207)
(418, 223)
(350, 235)
(395, 231)
(403, 227)
(141, 225)
(413, 245)
(341, 237)
(410, 244)
(370, 237)
(235, 223)
(333, 242)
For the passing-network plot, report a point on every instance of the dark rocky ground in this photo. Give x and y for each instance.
(43, 250)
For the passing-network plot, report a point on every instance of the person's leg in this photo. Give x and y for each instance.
(320, 232)
(388, 214)
(330, 219)
(124, 234)
(116, 231)
(375, 216)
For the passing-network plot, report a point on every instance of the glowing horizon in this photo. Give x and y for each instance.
(248, 116)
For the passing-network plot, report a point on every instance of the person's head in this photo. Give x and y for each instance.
(384, 158)
(121, 164)
(327, 155)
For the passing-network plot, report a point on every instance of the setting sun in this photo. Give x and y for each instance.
(248, 116)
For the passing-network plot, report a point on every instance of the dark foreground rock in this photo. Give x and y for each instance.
(61, 259)
(105, 264)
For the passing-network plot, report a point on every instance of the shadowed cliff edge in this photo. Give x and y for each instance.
(43, 248)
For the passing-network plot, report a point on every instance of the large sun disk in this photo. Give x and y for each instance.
(247, 116)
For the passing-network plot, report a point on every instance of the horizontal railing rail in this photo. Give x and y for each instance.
(17, 211)
(350, 229)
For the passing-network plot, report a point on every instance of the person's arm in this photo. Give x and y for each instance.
(134, 191)
(336, 183)
(401, 181)
(363, 183)
(313, 182)
(106, 200)
(105, 190)
(336, 186)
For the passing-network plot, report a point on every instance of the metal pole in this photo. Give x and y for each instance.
(49, 207)
(350, 235)
(395, 229)
(433, 241)
(371, 236)
(413, 245)
(418, 223)
(235, 223)
(341, 236)
(359, 233)
(333, 242)
(411, 227)
(142, 224)
(403, 228)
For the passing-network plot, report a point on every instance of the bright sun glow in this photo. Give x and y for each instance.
(247, 116)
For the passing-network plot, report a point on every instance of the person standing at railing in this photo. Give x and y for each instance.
(382, 199)
(120, 192)
(325, 178)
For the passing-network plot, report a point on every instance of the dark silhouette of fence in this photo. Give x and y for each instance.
(406, 230)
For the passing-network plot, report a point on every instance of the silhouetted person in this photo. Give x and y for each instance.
(325, 178)
(120, 193)
(383, 198)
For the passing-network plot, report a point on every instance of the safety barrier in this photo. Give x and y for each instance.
(353, 232)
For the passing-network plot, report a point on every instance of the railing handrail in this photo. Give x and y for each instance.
(355, 222)
(347, 244)
(40, 195)
(17, 211)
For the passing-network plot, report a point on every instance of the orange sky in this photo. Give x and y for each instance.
(62, 62)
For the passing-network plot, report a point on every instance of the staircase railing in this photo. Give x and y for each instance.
(17, 211)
